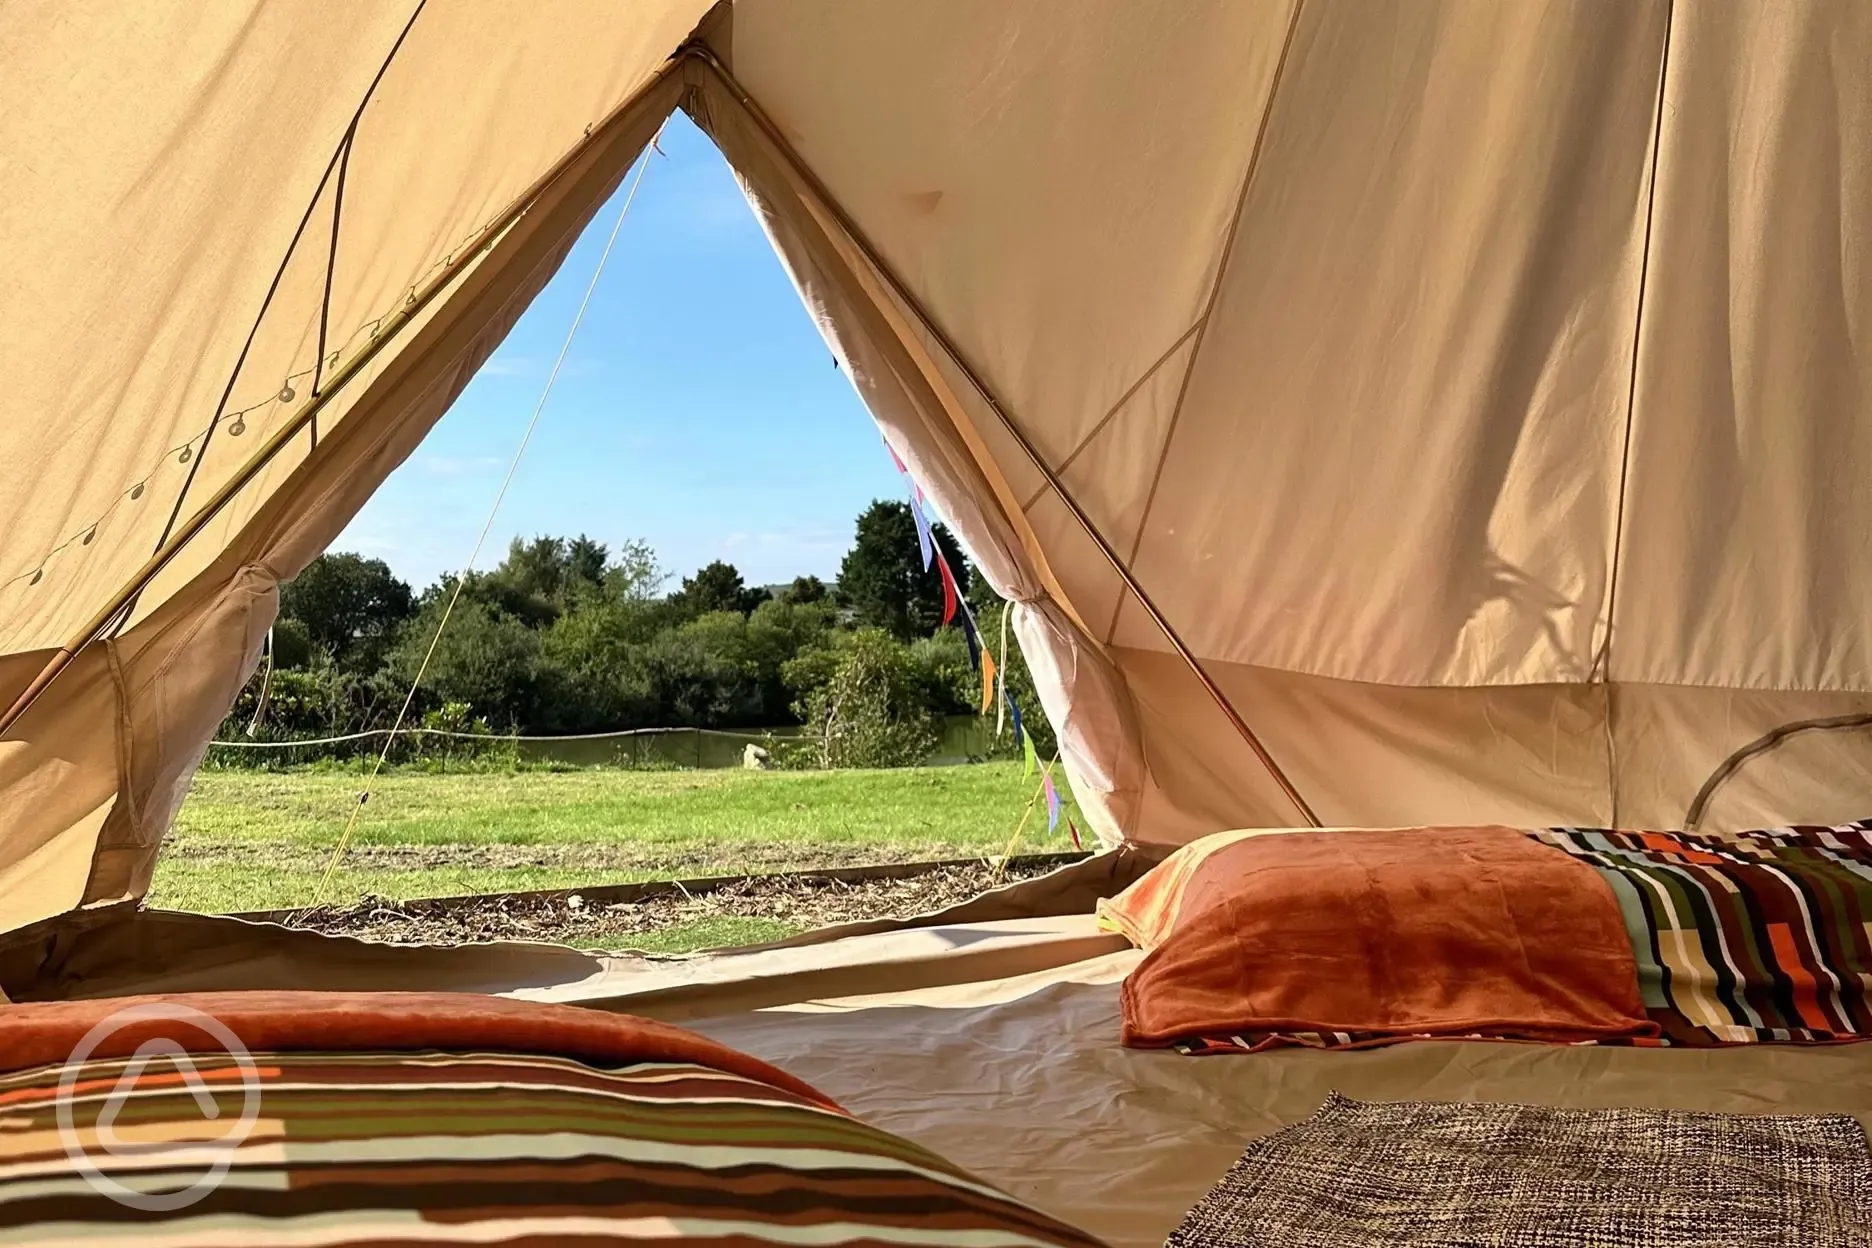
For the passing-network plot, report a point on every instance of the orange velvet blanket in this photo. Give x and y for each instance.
(339, 1022)
(1346, 939)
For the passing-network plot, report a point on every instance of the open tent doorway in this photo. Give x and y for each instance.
(703, 536)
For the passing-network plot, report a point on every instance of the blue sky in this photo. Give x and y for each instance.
(698, 410)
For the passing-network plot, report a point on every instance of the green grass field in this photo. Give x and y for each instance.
(249, 840)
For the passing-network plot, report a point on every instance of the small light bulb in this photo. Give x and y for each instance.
(286, 392)
(37, 576)
(91, 533)
(188, 453)
(136, 491)
(239, 426)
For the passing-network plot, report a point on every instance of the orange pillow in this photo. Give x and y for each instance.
(1353, 938)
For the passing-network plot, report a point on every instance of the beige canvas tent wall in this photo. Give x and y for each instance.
(1478, 391)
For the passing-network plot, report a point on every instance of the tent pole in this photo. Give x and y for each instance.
(386, 333)
(707, 56)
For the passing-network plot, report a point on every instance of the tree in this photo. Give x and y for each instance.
(292, 643)
(536, 569)
(777, 631)
(803, 590)
(586, 564)
(634, 575)
(883, 579)
(529, 584)
(597, 681)
(350, 606)
(569, 635)
(870, 713)
(695, 676)
(486, 658)
(717, 587)
(947, 683)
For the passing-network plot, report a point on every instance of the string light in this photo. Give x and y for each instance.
(237, 420)
(185, 452)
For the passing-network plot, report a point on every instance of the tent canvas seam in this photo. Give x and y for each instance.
(1209, 305)
(339, 153)
(1112, 412)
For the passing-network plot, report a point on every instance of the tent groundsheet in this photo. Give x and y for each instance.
(1022, 1080)
(992, 1040)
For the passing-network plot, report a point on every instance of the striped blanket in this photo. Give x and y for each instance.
(1743, 938)
(632, 1133)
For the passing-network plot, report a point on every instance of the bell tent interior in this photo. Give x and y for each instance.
(1434, 415)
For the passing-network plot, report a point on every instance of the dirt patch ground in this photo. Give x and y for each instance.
(618, 859)
(797, 902)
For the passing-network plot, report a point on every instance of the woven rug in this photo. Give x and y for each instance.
(1410, 1174)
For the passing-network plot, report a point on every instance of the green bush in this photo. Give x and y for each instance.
(569, 636)
(870, 713)
(453, 734)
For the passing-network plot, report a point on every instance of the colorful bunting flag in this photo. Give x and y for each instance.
(1074, 829)
(1033, 759)
(926, 539)
(988, 682)
(1001, 707)
(896, 460)
(974, 645)
(1052, 800)
(1013, 711)
(950, 596)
